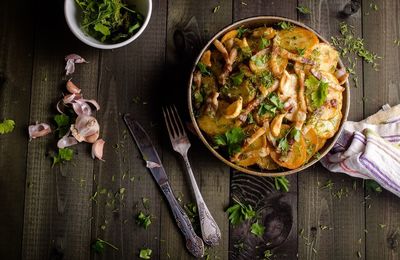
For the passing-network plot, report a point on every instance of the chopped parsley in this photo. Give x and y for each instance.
(317, 91)
(303, 9)
(259, 60)
(145, 253)
(301, 51)
(285, 25)
(282, 183)
(63, 155)
(7, 126)
(257, 229)
(237, 78)
(239, 212)
(264, 43)
(283, 143)
(203, 69)
(232, 139)
(241, 31)
(63, 124)
(98, 246)
(143, 220)
(266, 79)
(270, 105)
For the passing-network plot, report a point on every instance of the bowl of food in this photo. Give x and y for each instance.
(268, 96)
(107, 24)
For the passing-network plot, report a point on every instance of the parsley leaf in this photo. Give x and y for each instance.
(317, 90)
(303, 9)
(295, 134)
(98, 246)
(264, 43)
(232, 139)
(285, 25)
(63, 155)
(271, 105)
(266, 79)
(372, 185)
(7, 126)
(145, 253)
(63, 124)
(203, 69)
(281, 183)
(259, 60)
(237, 78)
(283, 145)
(301, 51)
(239, 212)
(143, 220)
(241, 31)
(257, 229)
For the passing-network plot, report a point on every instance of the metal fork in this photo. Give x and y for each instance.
(180, 142)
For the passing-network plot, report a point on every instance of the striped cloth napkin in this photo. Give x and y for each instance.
(370, 149)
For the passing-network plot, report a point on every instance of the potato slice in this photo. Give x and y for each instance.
(206, 58)
(296, 38)
(245, 90)
(247, 161)
(265, 32)
(295, 158)
(325, 129)
(259, 62)
(267, 163)
(312, 140)
(218, 124)
(234, 109)
(325, 56)
(277, 64)
(229, 35)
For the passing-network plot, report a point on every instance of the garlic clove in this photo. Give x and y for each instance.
(97, 149)
(72, 88)
(66, 141)
(92, 138)
(84, 127)
(38, 130)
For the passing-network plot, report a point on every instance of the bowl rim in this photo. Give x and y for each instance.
(331, 141)
(105, 46)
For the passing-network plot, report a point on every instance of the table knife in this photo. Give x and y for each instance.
(193, 242)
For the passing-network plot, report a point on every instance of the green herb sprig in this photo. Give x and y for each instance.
(7, 126)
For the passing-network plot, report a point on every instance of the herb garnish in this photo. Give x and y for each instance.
(203, 69)
(7, 126)
(63, 124)
(109, 21)
(264, 43)
(317, 90)
(216, 9)
(232, 139)
(257, 229)
(239, 212)
(266, 79)
(237, 78)
(282, 183)
(268, 254)
(303, 9)
(143, 220)
(285, 25)
(259, 60)
(372, 185)
(301, 51)
(271, 105)
(98, 246)
(63, 155)
(145, 253)
(283, 143)
(241, 31)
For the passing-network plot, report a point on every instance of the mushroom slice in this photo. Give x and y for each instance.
(229, 35)
(206, 58)
(97, 149)
(288, 85)
(221, 48)
(38, 130)
(276, 124)
(234, 109)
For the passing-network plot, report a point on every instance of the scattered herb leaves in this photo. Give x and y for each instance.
(7, 126)
(264, 43)
(203, 69)
(268, 255)
(239, 212)
(285, 25)
(63, 124)
(232, 139)
(63, 155)
(282, 183)
(257, 229)
(317, 90)
(303, 9)
(237, 78)
(372, 185)
(143, 220)
(98, 245)
(241, 31)
(216, 9)
(145, 253)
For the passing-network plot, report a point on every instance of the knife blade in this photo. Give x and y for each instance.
(194, 243)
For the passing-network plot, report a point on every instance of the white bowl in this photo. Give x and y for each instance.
(73, 16)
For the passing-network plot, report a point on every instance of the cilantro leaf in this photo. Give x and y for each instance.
(283, 145)
(63, 124)
(239, 212)
(295, 134)
(98, 246)
(143, 220)
(281, 183)
(264, 43)
(301, 51)
(203, 69)
(145, 253)
(63, 155)
(316, 90)
(270, 105)
(232, 139)
(259, 60)
(372, 185)
(303, 9)
(237, 78)
(257, 229)
(241, 31)
(285, 25)
(7, 126)
(266, 79)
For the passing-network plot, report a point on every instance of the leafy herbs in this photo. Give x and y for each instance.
(145, 253)
(317, 91)
(232, 139)
(264, 43)
(63, 155)
(282, 183)
(257, 229)
(268, 254)
(301, 51)
(283, 143)
(271, 104)
(203, 69)
(143, 220)
(191, 210)
(216, 9)
(303, 9)
(7, 126)
(372, 185)
(109, 21)
(259, 60)
(285, 25)
(98, 246)
(241, 31)
(266, 79)
(63, 124)
(237, 78)
(239, 212)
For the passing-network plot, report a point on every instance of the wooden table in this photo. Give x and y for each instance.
(52, 213)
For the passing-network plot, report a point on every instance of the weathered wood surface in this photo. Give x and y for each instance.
(51, 213)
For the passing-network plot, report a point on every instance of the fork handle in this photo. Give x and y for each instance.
(193, 242)
(209, 229)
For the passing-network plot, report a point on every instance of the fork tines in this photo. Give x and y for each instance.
(173, 122)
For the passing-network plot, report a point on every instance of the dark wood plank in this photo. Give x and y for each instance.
(278, 211)
(57, 208)
(130, 77)
(192, 22)
(332, 226)
(16, 48)
(381, 87)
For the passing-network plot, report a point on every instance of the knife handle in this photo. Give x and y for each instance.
(194, 243)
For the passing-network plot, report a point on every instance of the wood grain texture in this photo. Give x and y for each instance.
(278, 210)
(190, 25)
(129, 79)
(332, 226)
(16, 48)
(381, 87)
(57, 210)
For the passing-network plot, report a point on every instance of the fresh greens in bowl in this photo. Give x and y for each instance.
(109, 21)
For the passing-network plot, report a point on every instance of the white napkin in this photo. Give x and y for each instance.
(370, 149)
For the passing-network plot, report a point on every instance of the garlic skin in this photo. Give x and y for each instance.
(97, 149)
(84, 127)
(66, 141)
(71, 59)
(38, 130)
(72, 88)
